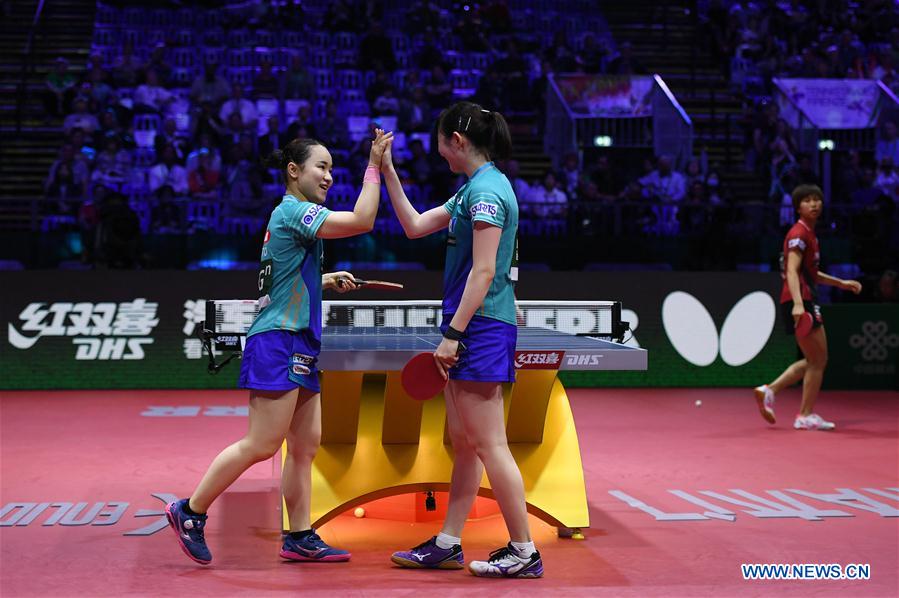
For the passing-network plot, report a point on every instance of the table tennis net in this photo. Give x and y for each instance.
(225, 318)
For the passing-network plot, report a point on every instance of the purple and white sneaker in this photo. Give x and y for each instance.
(428, 555)
(189, 529)
(311, 548)
(505, 562)
(812, 421)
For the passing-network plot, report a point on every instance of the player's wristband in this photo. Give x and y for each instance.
(452, 334)
(372, 175)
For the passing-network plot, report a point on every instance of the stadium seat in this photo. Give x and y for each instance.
(243, 225)
(265, 38)
(214, 55)
(214, 37)
(355, 108)
(399, 79)
(239, 38)
(184, 18)
(240, 57)
(266, 108)
(133, 37)
(204, 214)
(240, 75)
(341, 176)
(134, 17)
(183, 57)
(263, 55)
(344, 40)
(144, 157)
(351, 95)
(358, 127)
(349, 79)
(153, 38)
(425, 139)
(323, 78)
(106, 36)
(145, 128)
(108, 16)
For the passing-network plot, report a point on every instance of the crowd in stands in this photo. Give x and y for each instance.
(179, 106)
(826, 39)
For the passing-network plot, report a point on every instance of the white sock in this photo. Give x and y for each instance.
(446, 541)
(524, 549)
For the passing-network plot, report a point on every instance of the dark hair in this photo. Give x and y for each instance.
(297, 151)
(487, 130)
(803, 191)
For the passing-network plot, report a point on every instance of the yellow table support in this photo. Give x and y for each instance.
(377, 442)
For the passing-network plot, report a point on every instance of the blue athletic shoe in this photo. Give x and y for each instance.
(428, 555)
(189, 529)
(505, 562)
(311, 548)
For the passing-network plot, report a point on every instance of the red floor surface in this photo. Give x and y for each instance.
(96, 447)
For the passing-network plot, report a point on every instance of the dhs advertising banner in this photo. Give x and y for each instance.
(112, 329)
(98, 330)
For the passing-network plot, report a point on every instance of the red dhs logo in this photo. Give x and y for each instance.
(538, 360)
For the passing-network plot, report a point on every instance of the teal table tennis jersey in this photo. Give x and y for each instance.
(290, 272)
(486, 197)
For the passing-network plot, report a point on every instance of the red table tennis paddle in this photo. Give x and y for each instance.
(421, 378)
(374, 284)
(804, 325)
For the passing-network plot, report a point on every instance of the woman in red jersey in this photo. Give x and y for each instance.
(798, 297)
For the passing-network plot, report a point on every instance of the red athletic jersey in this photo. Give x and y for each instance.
(803, 238)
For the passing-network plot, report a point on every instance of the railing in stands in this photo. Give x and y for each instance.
(603, 116)
(27, 64)
(672, 128)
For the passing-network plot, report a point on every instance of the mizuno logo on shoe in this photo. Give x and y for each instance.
(421, 557)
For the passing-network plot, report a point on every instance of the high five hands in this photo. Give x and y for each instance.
(379, 146)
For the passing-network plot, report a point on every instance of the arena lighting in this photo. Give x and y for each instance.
(602, 141)
(826, 145)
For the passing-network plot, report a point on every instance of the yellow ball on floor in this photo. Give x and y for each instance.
(359, 512)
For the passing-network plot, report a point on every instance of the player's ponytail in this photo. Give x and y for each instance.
(487, 130)
(297, 151)
(501, 139)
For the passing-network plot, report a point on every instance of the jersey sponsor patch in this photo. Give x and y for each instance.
(482, 207)
(796, 243)
(309, 218)
(300, 364)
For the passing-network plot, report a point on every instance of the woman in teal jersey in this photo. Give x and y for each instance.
(279, 360)
(478, 310)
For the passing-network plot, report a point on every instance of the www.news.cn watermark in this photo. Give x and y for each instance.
(805, 571)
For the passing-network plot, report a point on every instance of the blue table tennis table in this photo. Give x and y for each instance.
(382, 348)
